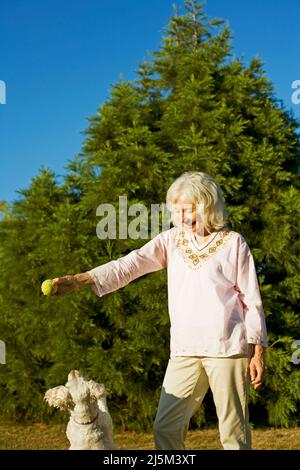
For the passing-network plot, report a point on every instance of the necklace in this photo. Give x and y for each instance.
(205, 243)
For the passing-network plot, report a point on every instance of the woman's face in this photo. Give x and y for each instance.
(184, 212)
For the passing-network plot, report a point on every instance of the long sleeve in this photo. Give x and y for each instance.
(249, 293)
(118, 273)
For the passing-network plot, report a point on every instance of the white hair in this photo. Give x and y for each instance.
(196, 187)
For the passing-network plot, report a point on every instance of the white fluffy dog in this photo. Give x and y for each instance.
(90, 424)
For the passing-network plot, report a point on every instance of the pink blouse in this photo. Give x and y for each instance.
(214, 300)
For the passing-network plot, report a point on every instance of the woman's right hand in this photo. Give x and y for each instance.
(65, 285)
(69, 283)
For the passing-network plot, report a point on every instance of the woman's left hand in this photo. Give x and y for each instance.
(257, 366)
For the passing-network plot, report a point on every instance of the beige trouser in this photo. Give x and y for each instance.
(185, 384)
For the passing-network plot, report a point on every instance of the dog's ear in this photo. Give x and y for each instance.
(59, 397)
(97, 391)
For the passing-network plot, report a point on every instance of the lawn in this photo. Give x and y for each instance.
(52, 437)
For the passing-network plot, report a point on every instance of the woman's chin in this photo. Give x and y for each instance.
(190, 227)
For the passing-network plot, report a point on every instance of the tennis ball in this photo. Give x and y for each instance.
(48, 288)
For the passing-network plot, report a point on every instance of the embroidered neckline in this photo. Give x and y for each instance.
(196, 257)
(204, 244)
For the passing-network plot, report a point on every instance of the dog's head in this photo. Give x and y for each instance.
(77, 390)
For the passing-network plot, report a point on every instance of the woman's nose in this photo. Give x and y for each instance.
(186, 215)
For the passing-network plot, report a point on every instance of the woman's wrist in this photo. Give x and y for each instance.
(257, 350)
(82, 279)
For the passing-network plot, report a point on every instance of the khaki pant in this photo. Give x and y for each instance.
(185, 384)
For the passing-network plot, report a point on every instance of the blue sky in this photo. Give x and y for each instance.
(59, 59)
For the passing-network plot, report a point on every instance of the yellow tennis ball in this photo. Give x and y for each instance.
(48, 288)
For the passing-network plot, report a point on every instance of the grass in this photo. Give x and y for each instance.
(52, 437)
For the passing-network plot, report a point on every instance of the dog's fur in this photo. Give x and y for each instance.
(90, 424)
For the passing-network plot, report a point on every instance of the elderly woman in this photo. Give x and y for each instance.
(218, 329)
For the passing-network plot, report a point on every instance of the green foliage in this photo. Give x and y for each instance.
(192, 107)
